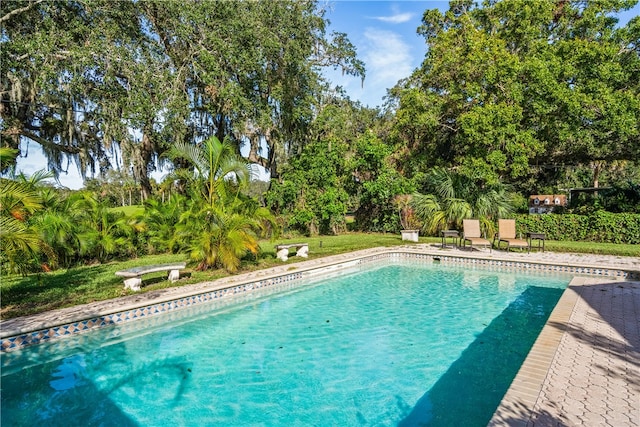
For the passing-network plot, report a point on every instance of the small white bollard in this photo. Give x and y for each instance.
(410, 235)
(283, 254)
(303, 251)
(133, 283)
(174, 275)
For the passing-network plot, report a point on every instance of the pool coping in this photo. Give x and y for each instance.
(517, 404)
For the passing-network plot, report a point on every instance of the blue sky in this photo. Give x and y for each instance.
(384, 33)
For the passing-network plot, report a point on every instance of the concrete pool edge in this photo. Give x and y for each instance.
(31, 330)
(589, 375)
(518, 402)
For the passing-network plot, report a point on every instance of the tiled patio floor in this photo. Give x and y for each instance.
(584, 370)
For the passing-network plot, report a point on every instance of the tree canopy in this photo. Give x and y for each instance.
(530, 96)
(508, 88)
(88, 81)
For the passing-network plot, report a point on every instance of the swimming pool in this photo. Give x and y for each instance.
(402, 344)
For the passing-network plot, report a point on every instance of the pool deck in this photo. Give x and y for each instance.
(583, 370)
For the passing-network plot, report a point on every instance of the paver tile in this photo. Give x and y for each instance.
(594, 376)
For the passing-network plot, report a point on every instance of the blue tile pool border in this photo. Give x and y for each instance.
(56, 332)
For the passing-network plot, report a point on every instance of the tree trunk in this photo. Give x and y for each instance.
(141, 164)
(597, 168)
(254, 156)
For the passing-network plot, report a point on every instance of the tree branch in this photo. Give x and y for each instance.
(46, 143)
(19, 10)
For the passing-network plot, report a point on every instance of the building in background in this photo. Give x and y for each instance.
(546, 203)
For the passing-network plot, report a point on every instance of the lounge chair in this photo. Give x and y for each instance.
(507, 233)
(471, 233)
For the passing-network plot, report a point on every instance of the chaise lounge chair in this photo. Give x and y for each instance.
(471, 233)
(507, 233)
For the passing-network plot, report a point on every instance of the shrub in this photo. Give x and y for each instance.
(600, 226)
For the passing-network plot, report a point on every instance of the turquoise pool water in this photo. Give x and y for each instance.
(398, 345)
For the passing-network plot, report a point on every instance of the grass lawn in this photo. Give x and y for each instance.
(129, 210)
(65, 288)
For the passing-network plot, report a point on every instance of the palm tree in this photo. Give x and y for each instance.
(217, 169)
(454, 197)
(56, 226)
(216, 225)
(102, 233)
(165, 188)
(218, 237)
(159, 222)
(20, 243)
(8, 158)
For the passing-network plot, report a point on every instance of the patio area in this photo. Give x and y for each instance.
(584, 370)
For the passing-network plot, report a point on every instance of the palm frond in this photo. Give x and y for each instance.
(36, 178)
(8, 157)
(193, 154)
(18, 197)
(455, 197)
(20, 245)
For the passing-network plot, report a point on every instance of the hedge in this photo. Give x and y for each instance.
(601, 227)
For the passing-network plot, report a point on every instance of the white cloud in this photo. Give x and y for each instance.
(398, 18)
(387, 57)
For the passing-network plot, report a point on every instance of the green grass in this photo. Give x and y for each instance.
(592, 248)
(129, 210)
(65, 288)
(40, 292)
